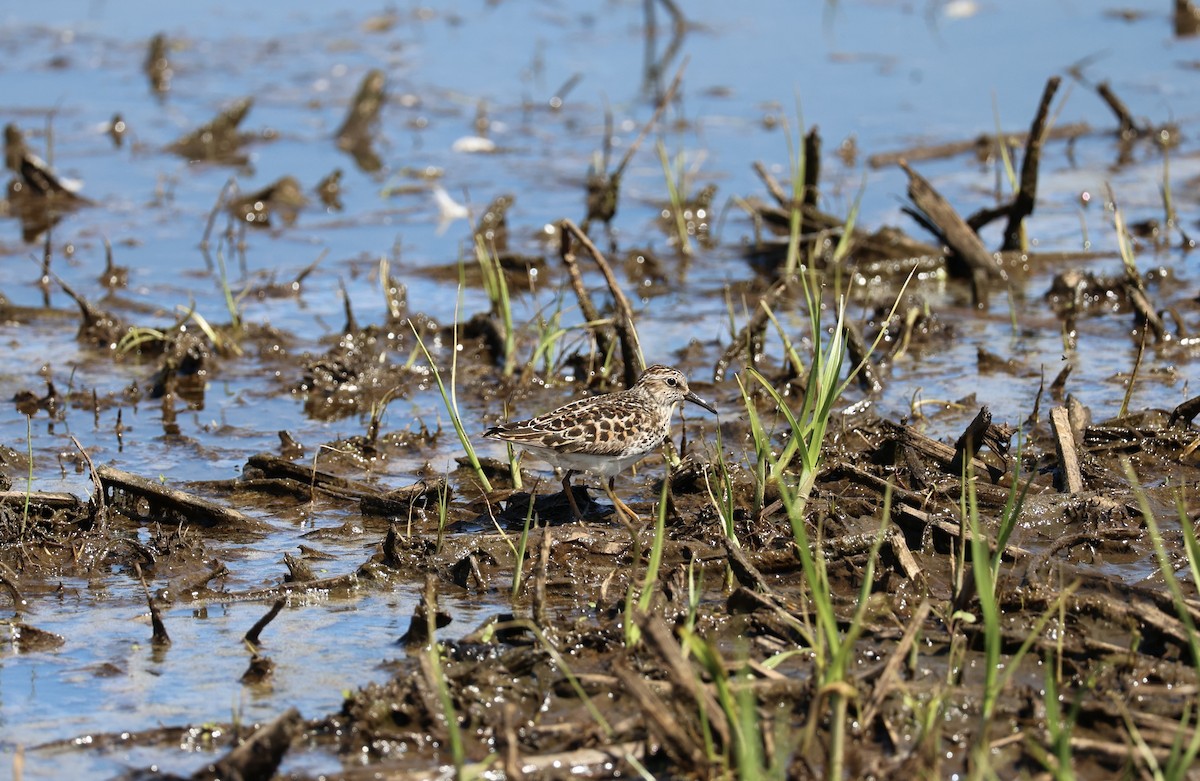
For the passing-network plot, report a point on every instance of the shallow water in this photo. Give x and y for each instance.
(884, 75)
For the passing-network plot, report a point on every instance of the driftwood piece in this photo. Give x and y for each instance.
(23, 638)
(258, 756)
(1070, 478)
(400, 501)
(1026, 197)
(981, 145)
(1186, 412)
(1186, 19)
(298, 570)
(974, 262)
(217, 140)
(363, 114)
(186, 507)
(49, 500)
(265, 465)
(941, 454)
(972, 438)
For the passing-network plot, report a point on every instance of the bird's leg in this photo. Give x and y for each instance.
(621, 508)
(566, 484)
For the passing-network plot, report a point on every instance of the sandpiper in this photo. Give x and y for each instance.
(604, 434)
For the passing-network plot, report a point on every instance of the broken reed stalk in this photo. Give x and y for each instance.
(771, 183)
(974, 262)
(159, 636)
(631, 347)
(1128, 126)
(101, 513)
(591, 315)
(28, 477)
(1137, 365)
(230, 186)
(1024, 201)
(1071, 477)
(981, 143)
(812, 167)
(251, 636)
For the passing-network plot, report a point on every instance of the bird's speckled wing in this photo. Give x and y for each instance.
(602, 425)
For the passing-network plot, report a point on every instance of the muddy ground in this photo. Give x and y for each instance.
(528, 644)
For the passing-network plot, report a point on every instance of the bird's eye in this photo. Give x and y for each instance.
(672, 381)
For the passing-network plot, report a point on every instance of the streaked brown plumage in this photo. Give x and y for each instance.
(604, 434)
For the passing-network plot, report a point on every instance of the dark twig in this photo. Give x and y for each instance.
(631, 347)
(1129, 127)
(8, 579)
(860, 356)
(888, 680)
(1186, 412)
(261, 624)
(591, 316)
(812, 167)
(772, 185)
(159, 636)
(1026, 197)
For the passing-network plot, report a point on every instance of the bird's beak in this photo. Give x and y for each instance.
(693, 398)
